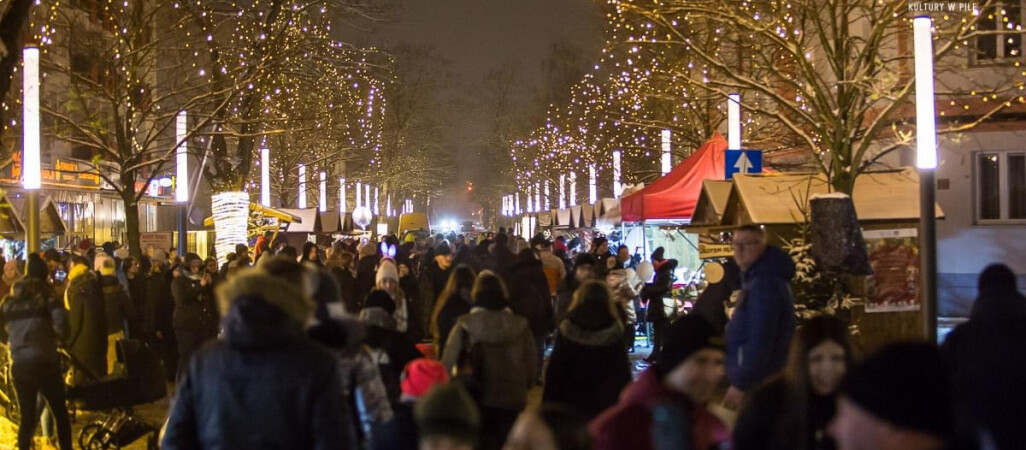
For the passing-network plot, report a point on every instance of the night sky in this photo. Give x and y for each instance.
(481, 35)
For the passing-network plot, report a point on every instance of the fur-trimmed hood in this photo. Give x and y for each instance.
(609, 335)
(275, 291)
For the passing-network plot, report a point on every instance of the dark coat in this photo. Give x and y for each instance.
(194, 306)
(159, 305)
(400, 351)
(760, 331)
(400, 433)
(776, 417)
(988, 369)
(347, 287)
(366, 269)
(88, 322)
(655, 292)
(629, 423)
(529, 295)
(711, 303)
(457, 305)
(432, 282)
(502, 261)
(116, 304)
(587, 369)
(33, 322)
(265, 386)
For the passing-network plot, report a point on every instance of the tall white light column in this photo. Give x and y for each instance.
(265, 176)
(537, 197)
(592, 185)
(377, 202)
(367, 197)
(666, 153)
(342, 206)
(302, 186)
(617, 186)
(573, 189)
(548, 197)
(323, 199)
(926, 161)
(734, 121)
(359, 198)
(562, 191)
(30, 168)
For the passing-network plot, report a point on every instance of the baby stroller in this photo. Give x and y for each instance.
(142, 382)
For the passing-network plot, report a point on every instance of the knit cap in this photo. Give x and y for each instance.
(421, 375)
(386, 271)
(905, 384)
(448, 410)
(685, 337)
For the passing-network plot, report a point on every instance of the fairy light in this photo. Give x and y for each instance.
(231, 219)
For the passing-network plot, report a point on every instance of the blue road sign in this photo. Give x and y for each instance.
(743, 161)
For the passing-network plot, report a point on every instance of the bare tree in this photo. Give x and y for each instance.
(835, 74)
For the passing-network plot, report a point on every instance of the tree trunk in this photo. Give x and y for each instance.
(132, 226)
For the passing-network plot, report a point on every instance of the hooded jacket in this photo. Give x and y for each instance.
(508, 355)
(985, 355)
(763, 323)
(629, 423)
(266, 385)
(588, 368)
(32, 321)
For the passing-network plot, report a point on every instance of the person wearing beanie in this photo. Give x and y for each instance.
(493, 350)
(671, 396)
(584, 270)
(987, 374)
(418, 378)
(32, 322)
(387, 280)
(898, 398)
(589, 365)
(763, 322)
(87, 342)
(448, 419)
(291, 387)
(433, 278)
(387, 347)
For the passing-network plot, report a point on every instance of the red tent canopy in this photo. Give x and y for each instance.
(673, 197)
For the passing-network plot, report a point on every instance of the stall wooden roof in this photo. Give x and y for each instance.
(891, 196)
(310, 220)
(712, 202)
(11, 226)
(331, 222)
(50, 221)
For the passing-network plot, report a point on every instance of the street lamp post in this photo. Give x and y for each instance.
(31, 171)
(182, 180)
(926, 162)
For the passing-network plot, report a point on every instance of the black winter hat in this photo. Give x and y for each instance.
(905, 384)
(380, 299)
(36, 267)
(443, 249)
(585, 259)
(685, 337)
(448, 410)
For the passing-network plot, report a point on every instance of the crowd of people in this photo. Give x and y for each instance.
(439, 343)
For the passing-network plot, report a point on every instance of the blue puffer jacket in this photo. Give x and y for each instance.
(265, 386)
(760, 330)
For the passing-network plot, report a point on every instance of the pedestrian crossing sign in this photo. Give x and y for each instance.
(742, 161)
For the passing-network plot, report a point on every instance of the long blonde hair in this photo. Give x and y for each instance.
(462, 277)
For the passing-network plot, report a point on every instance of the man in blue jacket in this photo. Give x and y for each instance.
(760, 330)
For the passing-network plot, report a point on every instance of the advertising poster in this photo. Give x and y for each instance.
(894, 257)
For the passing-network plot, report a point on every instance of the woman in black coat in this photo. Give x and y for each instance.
(589, 364)
(454, 302)
(529, 297)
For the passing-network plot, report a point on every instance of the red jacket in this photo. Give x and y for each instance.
(628, 424)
